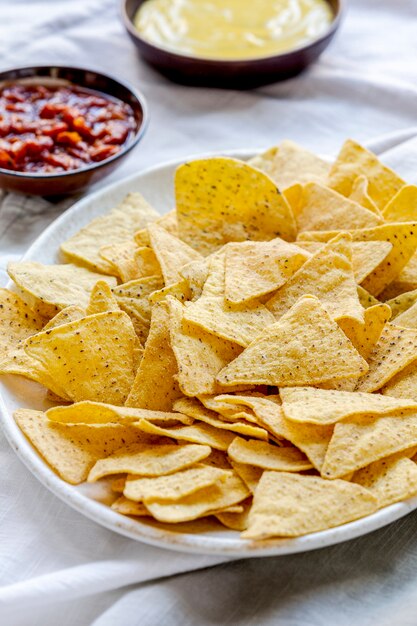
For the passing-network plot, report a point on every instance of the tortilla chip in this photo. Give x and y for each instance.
(72, 449)
(403, 384)
(362, 440)
(94, 358)
(197, 433)
(196, 273)
(127, 507)
(179, 290)
(174, 486)
(354, 160)
(289, 163)
(395, 350)
(403, 238)
(305, 347)
(390, 480)
(223, 199)
(327, 275)
(408, 319)
(102, 299)
(403, 206)
(200, 355)
(320, 406)
(205, 502)
(366, 299)
(365, 336)
(49, 288)
(133, 299)
(405, 281)
(321, 208)
(87, 412)
(65, 316)
(268, 456)
(121, 258)
(289, 505)
(236, 521)
(115, 227)
(155, 385)
(145, 460)
(402, 302)
(192, 407)
(17, 322)
(359, 194)
(171, 252)
(255, 268)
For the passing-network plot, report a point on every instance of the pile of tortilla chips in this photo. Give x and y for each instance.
(250, 356)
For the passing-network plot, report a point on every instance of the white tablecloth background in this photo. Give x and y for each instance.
(56, 567)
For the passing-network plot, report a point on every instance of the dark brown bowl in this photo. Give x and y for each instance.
(243, 74)
(64, 183)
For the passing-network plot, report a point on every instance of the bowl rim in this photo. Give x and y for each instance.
(138, 95)
(250, 62)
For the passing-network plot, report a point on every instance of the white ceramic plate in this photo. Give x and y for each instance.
(156, 185)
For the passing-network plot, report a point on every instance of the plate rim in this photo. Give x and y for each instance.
(104, 516)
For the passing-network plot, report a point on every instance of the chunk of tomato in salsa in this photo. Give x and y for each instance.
(45, 129)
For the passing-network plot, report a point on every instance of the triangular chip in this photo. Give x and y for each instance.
(321, 406)
(327, 275)
(405, 281)
(17, 322)
(200, 355)
(402, 236)
(133, 299)
(289, 163)
(321, 208)
(65, 316)
(72, 449)
(255, 268)
(94, 358)
(359, 193)
(354, 160)
(362, 440)
(364, 336)
(390, 480)
(403, 384)
(240, 323)
(396, 348)
(268, 456)
(49, 288)
(305, 347)
(155, 385)
(113, 228)
(289, 505)
(101, 299)
(171, 252)
(403, 206)
(222, 199)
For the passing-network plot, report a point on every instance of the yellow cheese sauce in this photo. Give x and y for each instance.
(232, 29)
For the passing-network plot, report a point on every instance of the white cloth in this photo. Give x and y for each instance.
(56, 567)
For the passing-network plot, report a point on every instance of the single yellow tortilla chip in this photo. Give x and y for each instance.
(174, 486)
(192, 407)
(403, 384)
(289, 163)
(255, 268)
(359, 441)
(127, 507)
(402, 236)
(405, 281)
(50, 288)
(112, 228)
(200, 355)
(155, 385)
(395, 349)
(87, 412)
(268, 456)
(102, 299)
(305, 347)
(359, 193)
(320, 406)
(403, 206)
(390, 480)
(17, 323)
(145, 460)
(328, 275)
(196, 433)
(240, 323)
(365, 336)
(72, 449)
(222, 199)
(94, 358)
(322, 208)
(289, 505)
(65, 316)
(204, 502)
(133, 299)
(171, 252)
(354, 160)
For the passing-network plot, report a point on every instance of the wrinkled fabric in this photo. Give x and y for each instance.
(57, 567)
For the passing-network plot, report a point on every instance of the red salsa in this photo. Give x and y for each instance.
(47, 130)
